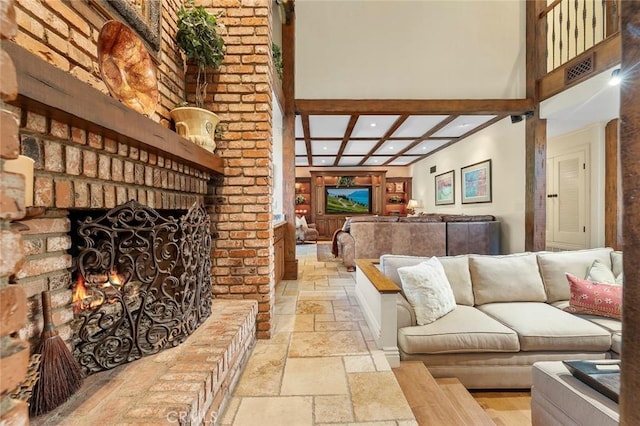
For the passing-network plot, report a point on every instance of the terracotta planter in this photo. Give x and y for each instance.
(196, 124)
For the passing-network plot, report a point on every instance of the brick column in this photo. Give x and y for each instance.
(240, 92)
(14, 353)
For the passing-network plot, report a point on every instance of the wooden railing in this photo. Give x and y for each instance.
(574, 26)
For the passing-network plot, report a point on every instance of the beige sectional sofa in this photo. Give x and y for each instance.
(508, 315)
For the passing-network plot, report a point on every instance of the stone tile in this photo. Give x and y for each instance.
(230, 411)
(282, 338)
(261, 376)
(314, 307)
(297, 410)
(380, 360)
(323, 295)
(336, 325)
(284, 323)
(352, 313)
(332, 409)
(314, 376)
(377, 396)
(325, 317)
(304, 322)
(285, 305)
(327, 343)
(358, 364)
(342, 281)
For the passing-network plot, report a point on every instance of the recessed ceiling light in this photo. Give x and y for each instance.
(324, 161)
(464, 125)
(391, 147)
(373, 124)
(324, 147)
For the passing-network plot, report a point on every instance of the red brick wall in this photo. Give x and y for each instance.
(14, 352)
(65, 34)
(78, 169)
(75, 169)
(240, 93)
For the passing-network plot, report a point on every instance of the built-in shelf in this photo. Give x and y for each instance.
(49, 91)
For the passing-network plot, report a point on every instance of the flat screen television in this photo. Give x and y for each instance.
(352, 200)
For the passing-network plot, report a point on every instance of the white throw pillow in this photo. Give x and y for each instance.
(601, 273)
(427, 289)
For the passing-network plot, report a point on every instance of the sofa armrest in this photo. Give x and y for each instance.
(406, 314)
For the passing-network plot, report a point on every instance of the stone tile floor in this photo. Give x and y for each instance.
(321, 366)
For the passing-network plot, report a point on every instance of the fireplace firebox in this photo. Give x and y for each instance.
(142, 282)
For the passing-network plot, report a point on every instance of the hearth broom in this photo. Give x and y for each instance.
(60, 374)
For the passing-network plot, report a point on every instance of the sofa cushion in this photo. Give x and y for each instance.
(553, 267)
(427, 289)
(455, 267)
(611, 324)
(510, 278)
(463, 330)
(420, 219)
(542, 327)
(468, 218)
(601, 273)
(617, 266)
(457, 270)
(594, 298)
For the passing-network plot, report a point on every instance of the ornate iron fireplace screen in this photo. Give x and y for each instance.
(146, 281)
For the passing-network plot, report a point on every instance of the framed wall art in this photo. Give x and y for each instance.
(476, 183)
(445, 188)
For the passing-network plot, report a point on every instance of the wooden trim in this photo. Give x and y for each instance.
(56, 94)
(289, 144)
(630, 168)
(413, 106)
(612, 198)
(608, 53)
(535, 210)
(380, 281)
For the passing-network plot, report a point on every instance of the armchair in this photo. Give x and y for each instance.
(305, 231)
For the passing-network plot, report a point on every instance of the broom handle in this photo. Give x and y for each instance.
(49, 328)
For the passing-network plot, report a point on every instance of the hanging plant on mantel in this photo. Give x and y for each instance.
(345, 181)
(199, 41)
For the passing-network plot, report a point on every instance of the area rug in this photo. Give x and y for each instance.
(324, 252)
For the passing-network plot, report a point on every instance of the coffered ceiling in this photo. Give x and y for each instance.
(389, 132)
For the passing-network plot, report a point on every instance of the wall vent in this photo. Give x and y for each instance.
(579, 70)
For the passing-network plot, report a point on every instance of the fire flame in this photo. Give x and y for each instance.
(83, 299)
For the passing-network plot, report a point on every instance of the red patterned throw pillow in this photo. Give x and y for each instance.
(594, 298)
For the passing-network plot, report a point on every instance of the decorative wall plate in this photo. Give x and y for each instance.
(126, 67)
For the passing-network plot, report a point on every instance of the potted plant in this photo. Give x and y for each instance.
(199, 41)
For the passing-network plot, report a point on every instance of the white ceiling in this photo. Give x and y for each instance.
(377, 140)
(591, 101)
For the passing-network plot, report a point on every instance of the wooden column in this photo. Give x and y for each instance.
(288, 142)
(535, 220)
(612, 190)
(630, 166)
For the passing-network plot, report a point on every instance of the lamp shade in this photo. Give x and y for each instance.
(412, 204)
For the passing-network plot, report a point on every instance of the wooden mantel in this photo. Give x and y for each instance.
(49, 91)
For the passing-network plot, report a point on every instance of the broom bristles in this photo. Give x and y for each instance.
(60, 376)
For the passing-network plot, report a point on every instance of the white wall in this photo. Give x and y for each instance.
(277, 203)
(504, 144)
(593, 136)
(401, 49)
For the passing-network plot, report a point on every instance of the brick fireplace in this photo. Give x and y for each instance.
(92, 153)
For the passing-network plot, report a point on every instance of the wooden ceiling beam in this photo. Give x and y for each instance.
(347, 136)
(413, 106)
